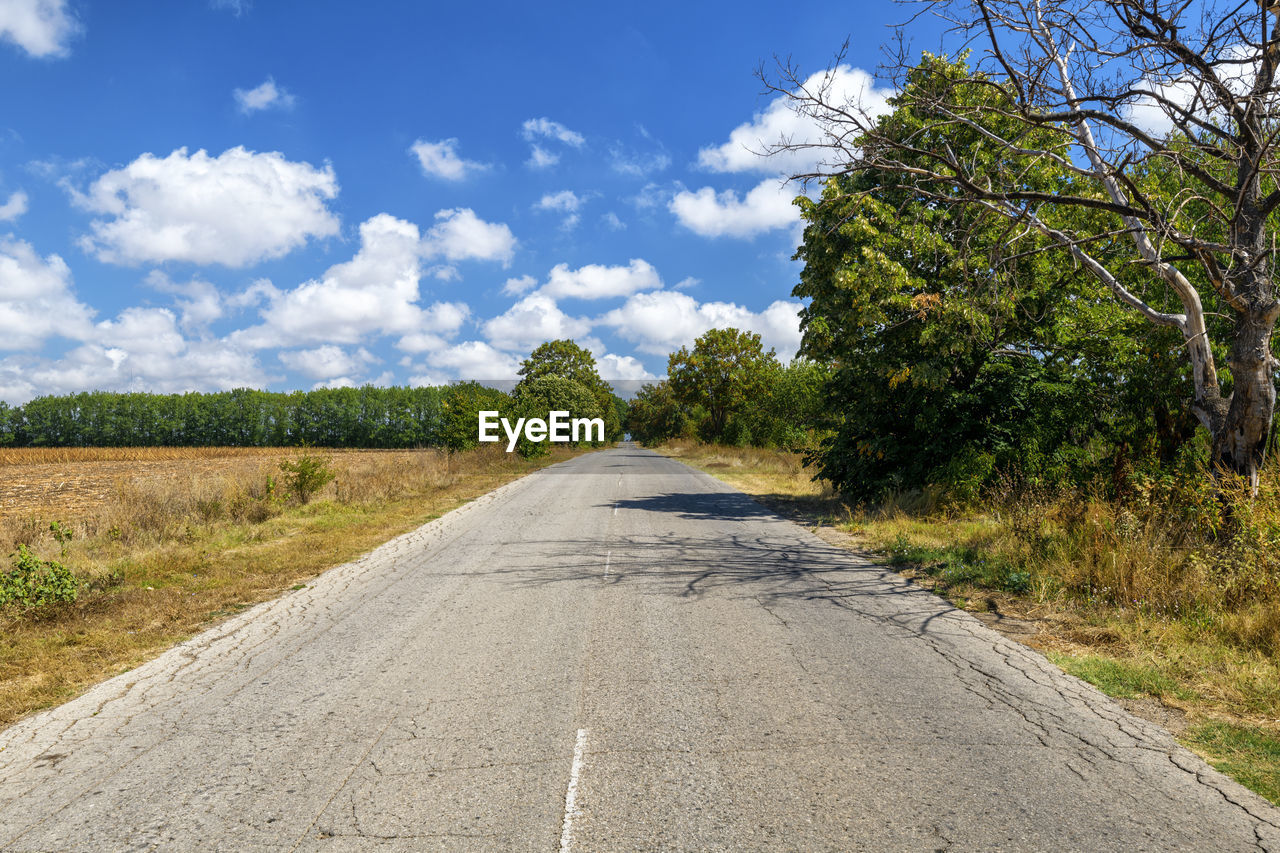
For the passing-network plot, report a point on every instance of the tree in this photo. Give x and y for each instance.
(537, 398)
(1067, 82)
(567, 360)
(951, 368)
(656, 415)
(726, 371)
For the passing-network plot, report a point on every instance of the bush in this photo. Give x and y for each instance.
(33, 582)
(307, 475)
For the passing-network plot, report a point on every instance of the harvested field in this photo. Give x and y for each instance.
(69, 483)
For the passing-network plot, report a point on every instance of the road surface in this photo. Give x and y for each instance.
(614, 653)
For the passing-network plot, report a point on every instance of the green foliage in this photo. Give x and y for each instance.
(326, 417)
(33, 582)
(726, 372)
(306, 475)
(656, 415)
(536, 398)
(62, 534)
(566, 360)
(958, 359)
(461, 408)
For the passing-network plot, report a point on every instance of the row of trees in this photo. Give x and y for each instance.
(728, 389)
(558, 375)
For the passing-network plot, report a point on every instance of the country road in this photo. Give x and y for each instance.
(614, 653)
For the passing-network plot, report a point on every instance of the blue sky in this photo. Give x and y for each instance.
(205, 194)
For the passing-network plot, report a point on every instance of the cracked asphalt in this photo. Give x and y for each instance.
(614, 653)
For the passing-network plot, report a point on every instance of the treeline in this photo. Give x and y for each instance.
(557, 375)
(331, 417)
(728, 389)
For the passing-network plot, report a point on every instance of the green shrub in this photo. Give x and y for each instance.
(307, 475)
(33, 582)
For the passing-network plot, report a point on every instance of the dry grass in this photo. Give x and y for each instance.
(166, 555)
(1132, 596)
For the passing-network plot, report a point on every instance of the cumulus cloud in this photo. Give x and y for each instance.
(36, 299)
(532, 320)
(710, 214)
(139, 350)
(625, 367)
(328, 362)
(265, 96)
(235, 209)
(845, 85)
(199, 301)
(441, 160)
(40, 27)
(662, 321)
(517, 286)
(594, 281)
(374, 292)
(471, 360)
(567, 202)
(435, 326)
(461, 235)
(14, 207)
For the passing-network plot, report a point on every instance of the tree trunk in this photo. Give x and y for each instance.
(1240, 437)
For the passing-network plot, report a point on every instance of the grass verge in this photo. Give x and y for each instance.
(161, 561)
(1209, 672)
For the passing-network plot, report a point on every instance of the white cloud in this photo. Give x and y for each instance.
(474, 360)
(541, 158)
(327, 362)
(235, 209)
(435, 326)
(140, 350)
(612, 221)
(40, 27)
(441, 160)
(266, 95)
(710, 214)
(461, 235)
(661, 322)
(594, 281)
(200, 302)
(612, 366)
(376, 292)
(14, 207)
(517, 286)
(566, 202)
(545, 128)
(530, 322)
(845, 86)
(36, 300)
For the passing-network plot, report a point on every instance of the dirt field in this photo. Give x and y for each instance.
(65, 483)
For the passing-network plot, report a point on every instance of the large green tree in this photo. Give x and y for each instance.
(727, 371)
(566, 360)
(1074, 84)
(953, 357)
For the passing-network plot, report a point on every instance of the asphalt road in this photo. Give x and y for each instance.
(614, 653)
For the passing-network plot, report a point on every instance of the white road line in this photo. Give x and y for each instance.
(615, 509)
(607, 555)
(571, 795)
